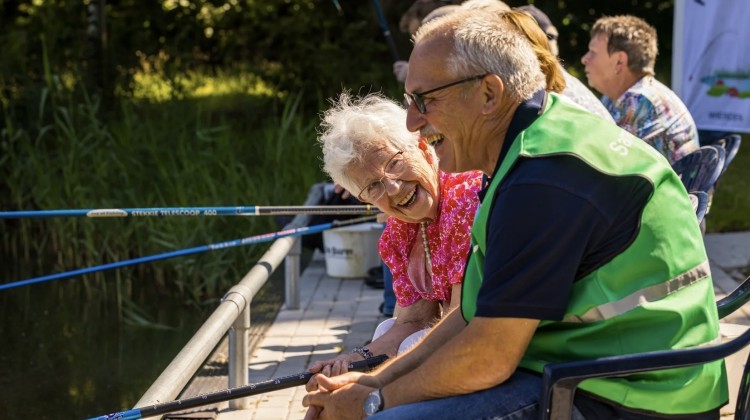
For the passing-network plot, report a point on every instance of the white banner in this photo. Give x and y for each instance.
(714, 62)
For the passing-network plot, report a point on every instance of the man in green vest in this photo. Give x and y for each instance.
(585, 245)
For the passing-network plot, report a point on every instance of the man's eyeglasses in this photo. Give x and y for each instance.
(418, 98)
(394, 168)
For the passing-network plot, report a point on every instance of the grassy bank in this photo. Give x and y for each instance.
(730, 210)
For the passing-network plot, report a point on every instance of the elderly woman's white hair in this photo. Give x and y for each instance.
(484, 43)
(353, 127)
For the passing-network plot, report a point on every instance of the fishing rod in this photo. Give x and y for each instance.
(386, 30)
(266, 237)
(232, 393)
(338, 6)
(192, 211)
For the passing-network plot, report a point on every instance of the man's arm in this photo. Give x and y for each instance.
(482, 355)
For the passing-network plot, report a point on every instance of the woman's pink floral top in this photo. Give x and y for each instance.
(448, 236)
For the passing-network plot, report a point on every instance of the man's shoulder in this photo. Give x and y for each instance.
(650, 91)
(562, 171)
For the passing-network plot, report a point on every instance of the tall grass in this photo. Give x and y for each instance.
(69, 153)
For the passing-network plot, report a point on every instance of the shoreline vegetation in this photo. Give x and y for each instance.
(162, 153)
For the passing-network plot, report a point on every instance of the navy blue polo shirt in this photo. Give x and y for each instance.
(553, 221)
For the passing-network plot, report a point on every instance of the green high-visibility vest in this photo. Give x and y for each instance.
(657, 294)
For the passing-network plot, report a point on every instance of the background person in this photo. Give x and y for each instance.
(544, 22)
(368, 150)
(574, 89)
(572, 258)
(620, 64)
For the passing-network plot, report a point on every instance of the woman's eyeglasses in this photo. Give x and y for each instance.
(394, 168)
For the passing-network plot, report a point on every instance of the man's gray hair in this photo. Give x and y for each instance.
(353, 127)
(484, 43)
(488, 5)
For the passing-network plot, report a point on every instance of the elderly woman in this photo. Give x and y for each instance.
(368, 150)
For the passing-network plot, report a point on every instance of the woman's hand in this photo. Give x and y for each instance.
(332, 367)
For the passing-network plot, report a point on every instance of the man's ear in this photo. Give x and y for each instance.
(492, 92)
(622, 61)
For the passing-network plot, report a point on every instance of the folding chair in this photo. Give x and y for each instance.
(699, 200)
(731, 145)
(735, 300)
(700, 170)
(560, 380)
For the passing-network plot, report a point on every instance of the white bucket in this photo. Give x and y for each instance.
(352, 250)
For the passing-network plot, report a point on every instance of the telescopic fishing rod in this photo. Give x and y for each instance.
(192, 211)
(232, 393)
(386, 30)
(338, 6)
(266, 237)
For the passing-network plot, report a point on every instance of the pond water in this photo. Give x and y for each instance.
(68, 352)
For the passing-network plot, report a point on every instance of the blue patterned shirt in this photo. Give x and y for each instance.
(652, 112)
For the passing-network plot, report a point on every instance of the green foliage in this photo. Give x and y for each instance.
(292, 45)
(574, 19)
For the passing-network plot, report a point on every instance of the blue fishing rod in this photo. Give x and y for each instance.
(232, 393)
(338, 6)
(266, 237)
(386, 30)
(192, 211)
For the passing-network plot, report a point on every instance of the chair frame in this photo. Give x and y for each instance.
(560, 380)
(731, 145)
(701, 204)
(713, 173)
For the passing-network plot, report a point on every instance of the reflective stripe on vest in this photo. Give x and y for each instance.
(638, 298)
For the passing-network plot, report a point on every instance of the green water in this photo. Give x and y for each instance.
(67, 352)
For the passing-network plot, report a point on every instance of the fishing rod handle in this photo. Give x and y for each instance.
(368, 364)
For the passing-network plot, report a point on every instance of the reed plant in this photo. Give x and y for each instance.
(70, 153)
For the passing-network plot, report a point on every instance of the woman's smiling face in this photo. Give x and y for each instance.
(413, 196)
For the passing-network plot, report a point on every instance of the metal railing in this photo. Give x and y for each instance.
(233, 316)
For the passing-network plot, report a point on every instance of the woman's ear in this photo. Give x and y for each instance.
(492, 89)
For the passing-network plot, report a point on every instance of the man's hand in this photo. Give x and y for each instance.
(340, 397)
